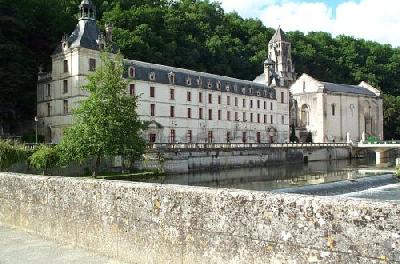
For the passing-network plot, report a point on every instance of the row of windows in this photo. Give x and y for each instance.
(253, 117)
(210, 137)
(92, 65)
(65, 88)
(65, 108)
(257, 103)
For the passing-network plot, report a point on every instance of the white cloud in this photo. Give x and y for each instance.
(377, 20)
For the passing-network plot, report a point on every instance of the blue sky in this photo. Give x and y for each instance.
(377, 20)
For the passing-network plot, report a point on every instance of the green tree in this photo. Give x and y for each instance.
(106, 123)
(44, 158)
(293, 137)
(309, 138)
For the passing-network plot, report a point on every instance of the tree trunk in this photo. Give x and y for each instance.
(96, 166)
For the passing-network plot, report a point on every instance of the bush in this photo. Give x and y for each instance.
(11, 153)
(44, 158)
(309, 138)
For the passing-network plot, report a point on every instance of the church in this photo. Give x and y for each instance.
(185, 106)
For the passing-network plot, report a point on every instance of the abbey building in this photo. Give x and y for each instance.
(186, 106)
(182, 105)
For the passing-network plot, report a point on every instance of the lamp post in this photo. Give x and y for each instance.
(36, 128)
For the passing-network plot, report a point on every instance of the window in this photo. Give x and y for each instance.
(152, 91)
(244, 103)
(65, 104)
(189, 136)
(219, 114)
(132, 72)
(244, 137)
(200, 113)
(228, 116)
(228, 136)
(236, 116)
(210, 137)
(48, 90)
(236, 101)
(251, 103)
(132, 89)
(171, 78)
(244, 117)
(270, 106)
(65, 65)
(228, 100)
(152, 76)
(218, 85)
(189, 81)
(209, 114)
(48, 109)
(209, 84)
(189, 112)
(333, 109)
(258, 118)
(265, 119)
(265, 105)
(219, 99)
(210, 98)
(92, 65)
(258, 103)
(271, 119)
(283, 120)
(172, 136)
(200, 97)
(282, 97)
(65, 86)
(251, 117)
(172, 111)
(258, 137)
(172, 94)
(189, 96)
(152, 109)
(152, 138)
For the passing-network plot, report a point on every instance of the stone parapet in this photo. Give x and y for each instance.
(150, 223)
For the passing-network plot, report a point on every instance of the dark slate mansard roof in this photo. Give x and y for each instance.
(143, 70)
(346, 88)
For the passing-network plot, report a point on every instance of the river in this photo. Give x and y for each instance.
(356, 179)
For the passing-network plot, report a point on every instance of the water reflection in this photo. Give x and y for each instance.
(279, 176)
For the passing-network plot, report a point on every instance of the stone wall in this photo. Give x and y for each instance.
(149, 223)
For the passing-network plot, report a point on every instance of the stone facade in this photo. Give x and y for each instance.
(336, 112)
(183, 105)
(150, 223)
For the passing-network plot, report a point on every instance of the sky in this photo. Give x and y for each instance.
(377, 20)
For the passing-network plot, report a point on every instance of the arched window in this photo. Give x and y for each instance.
(305, 116)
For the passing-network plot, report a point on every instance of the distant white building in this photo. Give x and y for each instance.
(181, 105)
(336, 112)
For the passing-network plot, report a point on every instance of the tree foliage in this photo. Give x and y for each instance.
(106, 123)
(194, 34)
(11, 153)
(44, 158)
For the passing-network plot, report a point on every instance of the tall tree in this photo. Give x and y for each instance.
(106, 123)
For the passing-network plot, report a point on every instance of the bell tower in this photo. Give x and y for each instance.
(279, 64)
(87, 10)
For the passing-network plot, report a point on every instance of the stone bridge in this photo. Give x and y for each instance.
(381, 148)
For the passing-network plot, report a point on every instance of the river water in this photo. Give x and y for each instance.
(356, 179)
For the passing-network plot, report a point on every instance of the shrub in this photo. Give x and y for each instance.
(44, 158)
(11, 153)
(309, 138)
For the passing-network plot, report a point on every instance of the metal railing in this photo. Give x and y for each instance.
(205, 146)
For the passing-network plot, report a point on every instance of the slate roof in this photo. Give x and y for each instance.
(279, 36)
(208, 81)
(346, 88)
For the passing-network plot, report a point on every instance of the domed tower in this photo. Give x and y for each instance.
(87, 10)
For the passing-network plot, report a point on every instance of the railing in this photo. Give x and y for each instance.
(205, 146)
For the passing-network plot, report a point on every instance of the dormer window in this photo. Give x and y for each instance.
(235, 87)
(227, 88)
(171, 78)
(243, 90)
(132, 72)
(199, 81)
(258, 94)
(251, 90)
(218, 85)
(152, 76)
(189, 81)
(209, 84)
